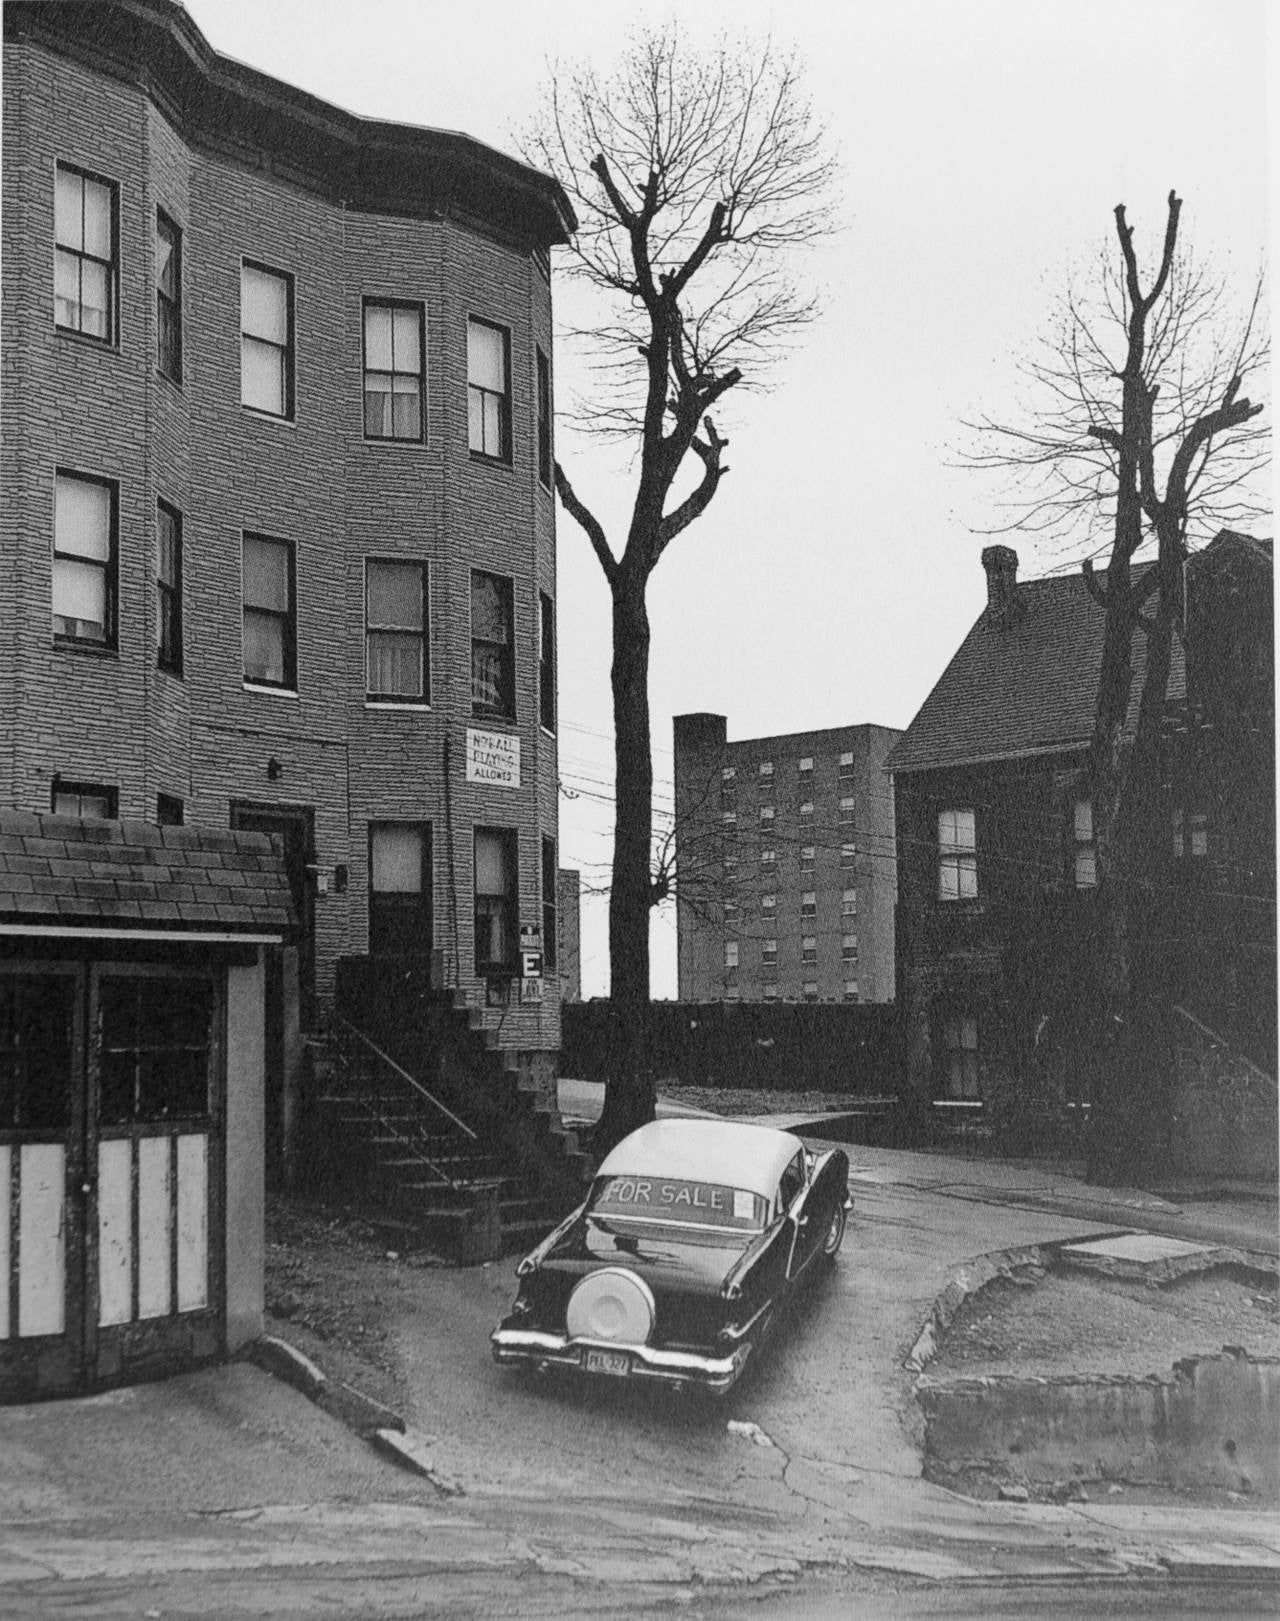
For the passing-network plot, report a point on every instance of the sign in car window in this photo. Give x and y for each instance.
(660, 1198)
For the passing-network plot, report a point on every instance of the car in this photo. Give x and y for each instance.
(676, 1265)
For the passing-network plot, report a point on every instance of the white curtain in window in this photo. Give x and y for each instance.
(82, 518)
(397, 860)
(493, 865)
(264, 306)
(486, 358)
(266, 575)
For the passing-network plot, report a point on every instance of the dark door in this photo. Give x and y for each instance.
(400, 922)
(290, 976)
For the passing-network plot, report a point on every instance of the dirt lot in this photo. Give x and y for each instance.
(1071, 1323)
(727, 1101)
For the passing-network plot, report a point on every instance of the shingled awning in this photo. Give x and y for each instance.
(62, 875)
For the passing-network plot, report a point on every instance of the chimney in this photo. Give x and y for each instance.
(1001, 564)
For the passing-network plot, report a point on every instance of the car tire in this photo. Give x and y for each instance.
(834, 1235)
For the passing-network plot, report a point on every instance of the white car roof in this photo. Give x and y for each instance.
(723, 1151)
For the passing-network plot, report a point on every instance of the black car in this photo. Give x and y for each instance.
(676, 1264)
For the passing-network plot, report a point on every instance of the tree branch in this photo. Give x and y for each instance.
(595, 534)
(708, 450)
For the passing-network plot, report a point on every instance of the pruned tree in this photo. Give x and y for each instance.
(1143, 435)
(695, 176)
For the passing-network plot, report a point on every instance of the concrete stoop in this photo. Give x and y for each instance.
(1212, 1423)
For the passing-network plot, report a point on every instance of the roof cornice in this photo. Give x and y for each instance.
(243, 115)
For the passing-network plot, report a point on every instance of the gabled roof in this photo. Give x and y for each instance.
(59, 870)
(1021, 688)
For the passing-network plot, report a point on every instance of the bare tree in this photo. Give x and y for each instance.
(694, 176)
(1145, 433)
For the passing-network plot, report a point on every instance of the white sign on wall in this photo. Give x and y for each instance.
(493, 758)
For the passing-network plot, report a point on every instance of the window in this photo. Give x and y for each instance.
(808, 856)
(846, 808)
(546, 661)
(86, 255)
(806, 807)
(169, 811)
(395, 597)
(730, 911)
(846, 764)
(84, 560)
(851, 990)
(544, 419)
(809, 948)
(1086, 854)
(1190, 833)
(496, 934)
(766, 768)
(729, 817)
(266, 340)
(156, 1036)
(168, 588)
(393, 370)
(809, 990)
(269, 627)
(728, 793)
(771, 991)
(849, 947)
(493, 686)
(768, 903)
(769, 953)
(766, 813)
(960, 1057)
(37, 1022)
(728, 773)
(849, 903)
(731, 953)
(731, 866)
(768, 857)
(809, 903)
(91, 801)
(489, 390)
(733, 993)
(806, 764)
(400, 923)
(168, 297)
(791, 1182)
(848, 855)
(549, 925)
(957, 856)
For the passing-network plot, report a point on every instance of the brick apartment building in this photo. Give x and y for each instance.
(278, 535)
(786, 864)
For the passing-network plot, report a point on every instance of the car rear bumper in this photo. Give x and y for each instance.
(711, 1373)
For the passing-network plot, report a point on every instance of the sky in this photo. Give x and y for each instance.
(983, 146)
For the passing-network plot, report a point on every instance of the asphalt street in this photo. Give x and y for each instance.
(228, 1493)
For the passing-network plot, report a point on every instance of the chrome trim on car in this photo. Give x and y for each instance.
(713, 1373)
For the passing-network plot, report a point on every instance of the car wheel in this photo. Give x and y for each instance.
(835, 1233)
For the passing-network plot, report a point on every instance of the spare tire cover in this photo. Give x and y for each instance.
(612, 1304)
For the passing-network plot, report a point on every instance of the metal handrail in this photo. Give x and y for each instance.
(404, 1075)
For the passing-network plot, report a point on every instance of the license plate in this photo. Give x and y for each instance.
(618, 1363)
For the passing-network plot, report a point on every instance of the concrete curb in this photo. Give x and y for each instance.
(411, 1451)
(968, 1279)
(361, 1414)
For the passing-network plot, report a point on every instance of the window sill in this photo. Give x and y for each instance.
(171, 672)
(493, 716)
(167, 377)
(93, 650)
(412, 706)
(87, 340)
(271, 692)
(389, 441)
(483, 459)
(269, 416)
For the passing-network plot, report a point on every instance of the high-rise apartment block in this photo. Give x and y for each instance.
(786, 864)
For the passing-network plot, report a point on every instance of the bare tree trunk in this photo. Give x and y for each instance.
(630, 1095)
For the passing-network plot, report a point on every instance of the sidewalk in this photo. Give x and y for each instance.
(1202, 1210)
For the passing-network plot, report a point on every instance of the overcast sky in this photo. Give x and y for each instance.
(984, 145)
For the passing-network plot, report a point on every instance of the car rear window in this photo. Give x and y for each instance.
(664, 1198)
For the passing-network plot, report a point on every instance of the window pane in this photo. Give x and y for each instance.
(406, 408)
(66, 290)
(166, 260)
(377, 406)
(263, 648)
(493, 874)
(166, 547)
(486, 357)
(95, 299)
(266, 574)
(79, 599)
(408, 340)
(262, 376)
(948, 881)
(490, 619)
(264, 305)
(1084, 820)
(397, 860)
(97, 219)
(68, 203)
(395, 595)
(1086, 869)
(377, 337)
(82, 518)
(491, 430)
(968, 875)
(487, 684)
(475, 419)
(395, 664)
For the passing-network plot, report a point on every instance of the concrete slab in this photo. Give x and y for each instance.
(1140, 1247)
